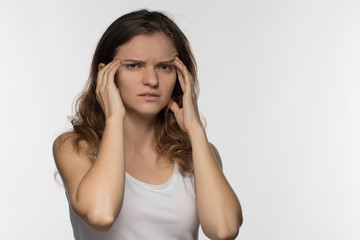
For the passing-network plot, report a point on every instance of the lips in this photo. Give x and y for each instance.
(150, 94)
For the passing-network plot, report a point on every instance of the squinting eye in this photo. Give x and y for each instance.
(132, 66)
(166, 67)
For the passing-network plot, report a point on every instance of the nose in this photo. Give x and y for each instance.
(150, 77)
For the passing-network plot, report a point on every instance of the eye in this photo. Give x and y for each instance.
(166, 67)
(133, 66)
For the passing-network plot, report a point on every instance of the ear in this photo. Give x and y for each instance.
(100, 66)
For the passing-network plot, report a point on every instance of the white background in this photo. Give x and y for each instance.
(279, 87)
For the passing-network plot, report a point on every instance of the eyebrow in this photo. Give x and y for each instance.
(142, 62)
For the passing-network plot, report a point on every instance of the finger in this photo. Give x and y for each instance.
(181, 76)
(181, 79)
(174, 107)
(187, 77)
(103, 67)
(109, 74)
(101, 79)
(100, 75)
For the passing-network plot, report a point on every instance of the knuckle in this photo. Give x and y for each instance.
(101, 91)
(112, 70)
(108, 87)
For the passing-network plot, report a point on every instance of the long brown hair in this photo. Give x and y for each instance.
(89, 120)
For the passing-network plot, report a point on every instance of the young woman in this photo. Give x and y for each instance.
(138, 164)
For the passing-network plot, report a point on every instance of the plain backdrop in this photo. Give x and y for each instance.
(279, 88)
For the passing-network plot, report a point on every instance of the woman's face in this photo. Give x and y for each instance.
(147, 75)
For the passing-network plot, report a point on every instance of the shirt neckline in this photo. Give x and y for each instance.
(163, 186)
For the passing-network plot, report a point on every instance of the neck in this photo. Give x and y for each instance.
(139, 133)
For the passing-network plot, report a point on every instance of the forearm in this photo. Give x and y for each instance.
(100, 193)
(218, 207)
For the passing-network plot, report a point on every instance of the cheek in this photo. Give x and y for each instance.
(124, 81)
(125, 86)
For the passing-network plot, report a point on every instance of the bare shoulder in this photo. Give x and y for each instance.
(216, 155)
(64, 144)
(63, 147)
(64, 140)
(71, 164)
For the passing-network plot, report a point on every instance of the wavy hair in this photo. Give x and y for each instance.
(89, 120)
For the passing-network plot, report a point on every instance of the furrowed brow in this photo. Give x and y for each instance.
(166, 62)
(134, 61)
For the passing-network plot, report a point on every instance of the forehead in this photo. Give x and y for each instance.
(147, 47)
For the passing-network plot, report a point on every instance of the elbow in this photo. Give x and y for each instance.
(229, 232)
(100, 222)
(99, 218)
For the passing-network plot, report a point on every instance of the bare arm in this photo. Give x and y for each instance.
(219, 209)
(96, 186)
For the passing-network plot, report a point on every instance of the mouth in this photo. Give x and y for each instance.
(149, 96)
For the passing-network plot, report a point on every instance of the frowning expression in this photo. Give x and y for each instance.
(147, 75)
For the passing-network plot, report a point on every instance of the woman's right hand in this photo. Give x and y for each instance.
(107, 94)
(95, 185)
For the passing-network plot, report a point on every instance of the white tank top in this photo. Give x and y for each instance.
(166, 211)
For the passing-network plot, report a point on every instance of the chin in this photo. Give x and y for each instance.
(145, 111)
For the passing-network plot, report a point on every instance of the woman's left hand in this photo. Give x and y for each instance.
(188, 116)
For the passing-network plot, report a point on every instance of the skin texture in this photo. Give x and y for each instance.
(96, 186)
(143, 70)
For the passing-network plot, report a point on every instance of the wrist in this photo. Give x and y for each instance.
(196, 134)
(114, 121)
